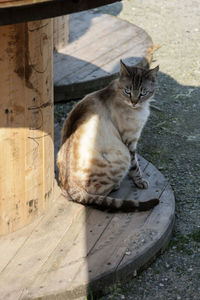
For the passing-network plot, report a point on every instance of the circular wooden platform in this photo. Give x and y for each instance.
(91, 59)
(73, 250)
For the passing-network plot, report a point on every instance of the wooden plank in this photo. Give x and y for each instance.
(105, 63)
(82, 39)
(80, 32)
(118, 41)
(10, 244)
(109, 63)
(111, 28)
(96, 49)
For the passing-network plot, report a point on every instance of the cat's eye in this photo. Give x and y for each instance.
(127, 92)
(143, 93)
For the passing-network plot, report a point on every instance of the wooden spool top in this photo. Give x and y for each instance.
(73, 248)
(91, 59)
(15, 11)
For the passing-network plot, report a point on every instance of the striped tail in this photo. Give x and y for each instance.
(105, 202)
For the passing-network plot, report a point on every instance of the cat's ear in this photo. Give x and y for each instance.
(153, 72)
(123, 69)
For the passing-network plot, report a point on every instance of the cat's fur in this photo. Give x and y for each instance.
(99, 139)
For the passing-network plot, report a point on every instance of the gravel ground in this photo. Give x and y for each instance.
(171, 141)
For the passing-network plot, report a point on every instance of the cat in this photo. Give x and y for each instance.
(99, 139)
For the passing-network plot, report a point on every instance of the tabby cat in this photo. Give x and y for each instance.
(99, 139)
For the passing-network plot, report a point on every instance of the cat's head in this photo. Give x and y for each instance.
(137, 84)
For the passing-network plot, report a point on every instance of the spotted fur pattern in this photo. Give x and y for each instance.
(99, 140)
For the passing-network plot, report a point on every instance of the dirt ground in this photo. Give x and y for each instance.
(171, 141)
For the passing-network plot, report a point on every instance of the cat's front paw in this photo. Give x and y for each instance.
(141, 183)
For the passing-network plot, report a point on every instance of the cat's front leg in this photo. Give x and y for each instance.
(116, 187)
(135, 173)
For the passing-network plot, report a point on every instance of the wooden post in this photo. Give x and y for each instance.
(61, 29)
(26, 123)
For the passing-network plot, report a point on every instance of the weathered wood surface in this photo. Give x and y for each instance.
(26, 123)
(15, 11)
(91, 59)
(61, 29)
(73, 249)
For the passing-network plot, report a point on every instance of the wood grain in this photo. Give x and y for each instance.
(61, 29)
(26, 123)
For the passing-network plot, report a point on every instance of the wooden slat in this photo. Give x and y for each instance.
(86, 55)
(10, 245)
(108, 64)
(118, 38)
(105, 63)
(80, 32)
